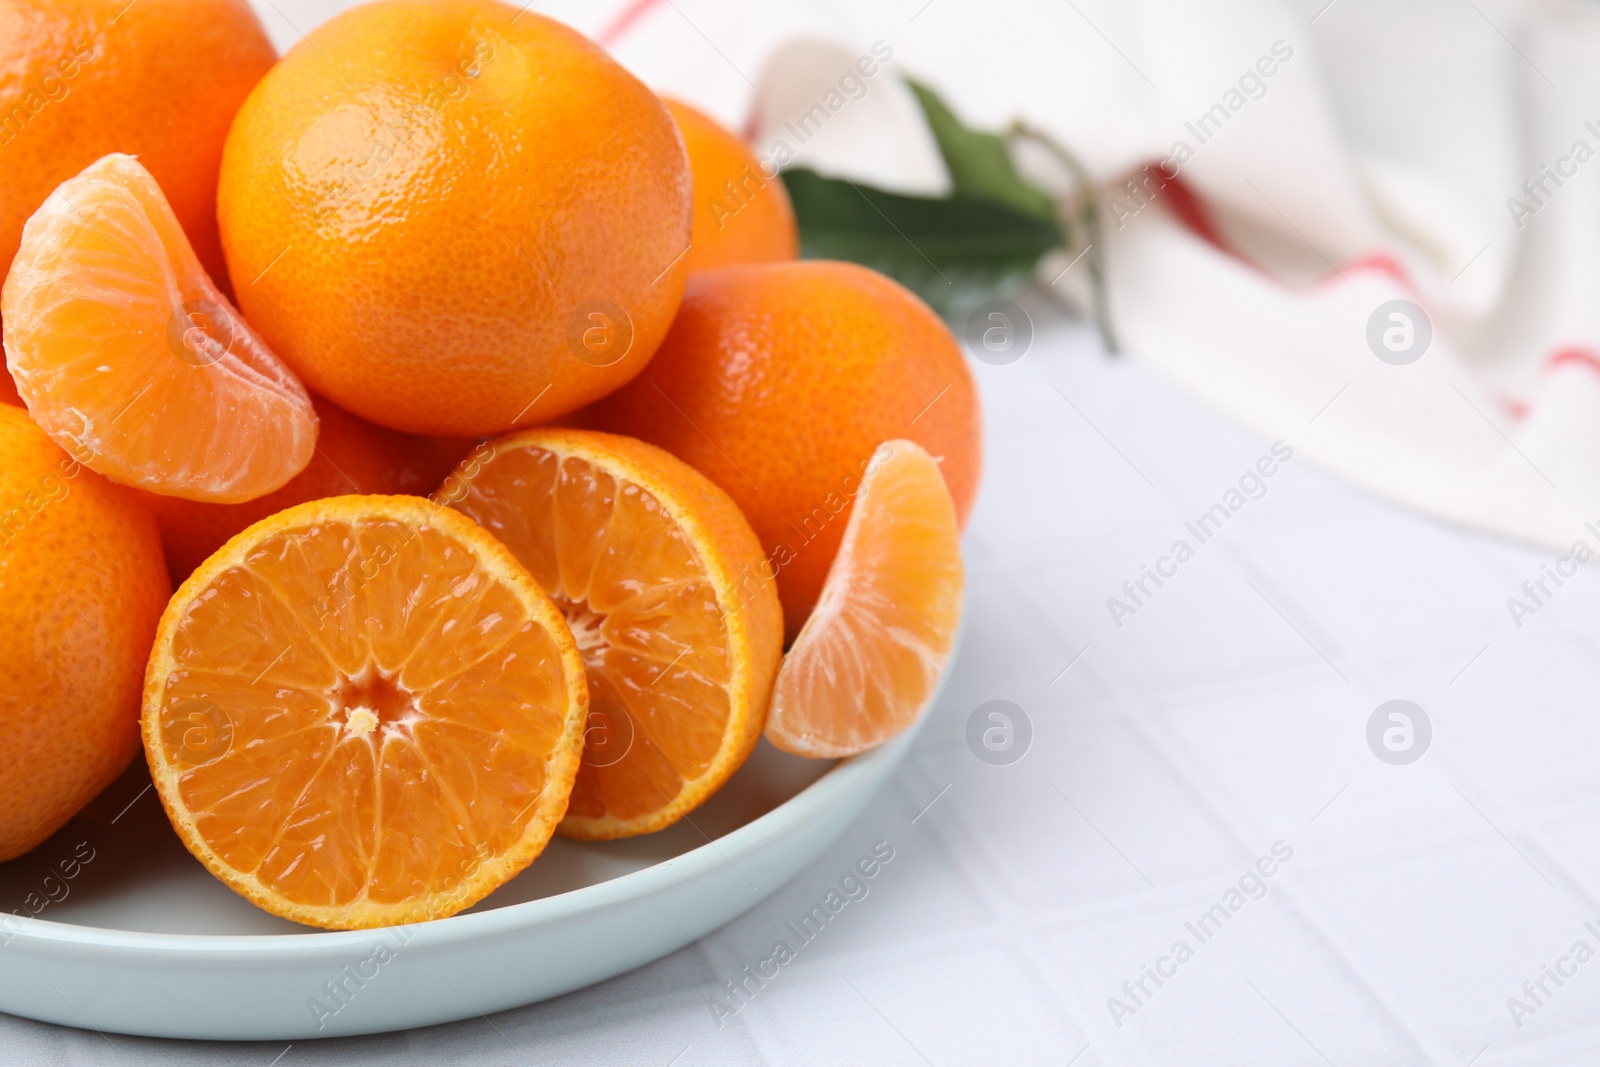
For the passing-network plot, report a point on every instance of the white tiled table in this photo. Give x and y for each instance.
(1228, 714)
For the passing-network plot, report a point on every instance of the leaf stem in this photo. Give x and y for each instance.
(1087, 217)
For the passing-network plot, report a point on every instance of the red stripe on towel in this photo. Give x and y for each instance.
(624, 21)
(1573, 354)
(1191, 210)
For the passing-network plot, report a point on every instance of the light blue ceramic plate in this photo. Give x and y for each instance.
(133, 936)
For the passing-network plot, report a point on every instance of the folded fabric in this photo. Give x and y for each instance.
(1366, 227)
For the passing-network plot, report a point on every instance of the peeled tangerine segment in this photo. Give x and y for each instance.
(132, 360)
(876, 645)
(363, 711)
(661, 580)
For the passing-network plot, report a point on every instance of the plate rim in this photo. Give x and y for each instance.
(495, 922)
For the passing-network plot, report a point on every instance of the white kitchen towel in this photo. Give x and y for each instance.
(1368, 227)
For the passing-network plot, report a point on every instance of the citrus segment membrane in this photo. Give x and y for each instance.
(659, 578)
(353, 457)
(362, 711)
(132, 360)
(874, 649)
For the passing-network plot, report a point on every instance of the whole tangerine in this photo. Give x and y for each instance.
(353, 456)
(159, 79)
(778, 382)
(82, 586)
(742, 214)
(459, 217)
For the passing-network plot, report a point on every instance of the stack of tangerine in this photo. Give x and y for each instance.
(256, 309)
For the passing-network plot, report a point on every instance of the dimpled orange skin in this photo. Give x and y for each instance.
(92, 77)
(451, 187)
(82, 586)
(353, 457)
(159, 79)
(753, 222)
(778, 381)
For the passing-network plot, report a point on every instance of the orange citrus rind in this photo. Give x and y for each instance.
(363, 711)
(671, 600)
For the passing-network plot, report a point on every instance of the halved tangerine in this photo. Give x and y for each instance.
(129, 357)
(363, 711)
(670, 600)
(354, 457)
(875, 647)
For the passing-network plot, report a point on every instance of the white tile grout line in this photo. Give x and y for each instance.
(1324, 925)
(1550, 863)
(1016, 919)
(1251, 839)
(1237, 827)
(1368, 677)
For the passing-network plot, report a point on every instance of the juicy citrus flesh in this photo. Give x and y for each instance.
(660, 579)
(114, 62)
(131, 359)
(353, 456)
(777, 382)
(871, 654)
(486, 216)
(363, 711)
(742, 214)
(81, 590)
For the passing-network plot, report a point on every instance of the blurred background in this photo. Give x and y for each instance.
(1283, 317)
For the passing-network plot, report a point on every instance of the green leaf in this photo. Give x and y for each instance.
(979, 165)
(980, 243)
(955, 252)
